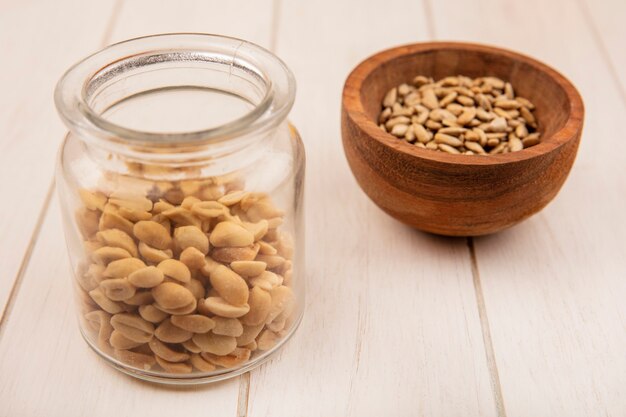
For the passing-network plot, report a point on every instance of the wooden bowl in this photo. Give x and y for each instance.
(459, 195)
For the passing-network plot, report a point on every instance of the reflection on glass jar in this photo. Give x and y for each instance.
(181, 188)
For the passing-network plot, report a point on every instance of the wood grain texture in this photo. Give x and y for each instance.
(391, 325)
(38, 41)
(554, 285)
(43, 374)
(606, 22)
(241, 18)
(459, 195)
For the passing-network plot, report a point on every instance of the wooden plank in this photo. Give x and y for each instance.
(606, 21)
(38, 42)
(242, 19)
(45, 367)
(554, 286)
(391, 325)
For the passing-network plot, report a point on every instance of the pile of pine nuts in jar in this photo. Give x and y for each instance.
(460, 115)
(188, 276)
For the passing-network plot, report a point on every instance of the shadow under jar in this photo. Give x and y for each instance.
(181, 188)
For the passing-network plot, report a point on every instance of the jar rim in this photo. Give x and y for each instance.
(71, 93)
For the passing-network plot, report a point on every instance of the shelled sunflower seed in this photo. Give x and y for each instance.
(460, 115)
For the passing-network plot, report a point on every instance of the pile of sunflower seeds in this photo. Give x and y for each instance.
(460, 115)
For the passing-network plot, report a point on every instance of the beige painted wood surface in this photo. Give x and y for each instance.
(250, 20)
(37, 42)
(47, 369)
(44, 341)
(397, 322)
(392, 313)
(606, 21)
(555, 285)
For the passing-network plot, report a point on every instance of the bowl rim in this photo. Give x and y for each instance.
(354, 109)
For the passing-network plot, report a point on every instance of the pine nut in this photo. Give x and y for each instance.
(182, 217)
(191, 346)
(390, 97)
(119, 239)
(191, 236)
(260, 302)
(92, 200)
(112, 220)
(235, 358)
(147, 277)
(531, 140)
(117, 289)
(100, 321)
(229, 255)
(230, 286)
(152, 314)
(170, 295)
(172, 367)
(229, 234)
(215, 344)
(152, 234)
(267, 340)
(192, 258)
(165, 352)
(448, 105)
(448, 148)
(475, 147)
(174, 269)
(249, 334)
(201, 364)
(168, 333)
(123, 267)
(220, 307)
(190, 281)
(227, 327)
(515, 144)
(134, 359)
(248, 268)
(282, 299)
(448, 140)
(195, 323)
(104, 302)
(108, 254)
(133, 327)
(119, 341)
(140, 298)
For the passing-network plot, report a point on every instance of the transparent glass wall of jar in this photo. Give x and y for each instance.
(181, 187)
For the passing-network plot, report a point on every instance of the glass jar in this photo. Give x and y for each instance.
(180, 183)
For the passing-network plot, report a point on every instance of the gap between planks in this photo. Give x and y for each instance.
(492, 366)
(244, 393)
(17, 282)
(430, 20)
(276, 6)
(244, 387)
(244, 379)
(108, 30)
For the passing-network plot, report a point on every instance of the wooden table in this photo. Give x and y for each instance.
(531, 322)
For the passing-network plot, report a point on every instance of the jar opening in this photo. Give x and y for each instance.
(175, 89)
(177, 110)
